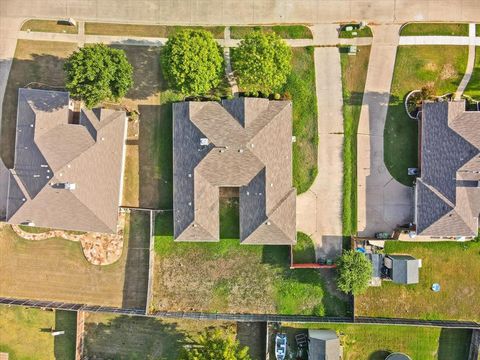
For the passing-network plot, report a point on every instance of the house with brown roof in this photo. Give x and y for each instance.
(68, 166)
(447, 194)
(245, 143)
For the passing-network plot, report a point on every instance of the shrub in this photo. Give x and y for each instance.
(96, 73)
(192, 62)
(354, 272)
(262, 62)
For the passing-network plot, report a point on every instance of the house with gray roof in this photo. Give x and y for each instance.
(245, 143)
(447, 194)
(67, 170)
(323, 345)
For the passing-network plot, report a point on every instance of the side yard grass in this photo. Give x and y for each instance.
(130, 337)
(226, 276)
(25, 333)
(284, 31)
(445, 29)
(473, 87)
(161, 31)
(300, 87)
(354, 75)
(53, 26)
(453, 265)
(416, 66)
(304, 250)
(375, 342)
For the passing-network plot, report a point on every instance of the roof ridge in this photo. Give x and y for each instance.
(268, 122)
(438, 193)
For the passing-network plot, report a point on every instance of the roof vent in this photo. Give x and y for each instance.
(190, 175)
(268, 223)
(240, 151)
(70, 186)
(204, 141)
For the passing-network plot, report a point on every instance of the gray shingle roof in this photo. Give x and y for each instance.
(51, 151)
(448, 196)
(250, 147)
(404, 269)
(323, 345)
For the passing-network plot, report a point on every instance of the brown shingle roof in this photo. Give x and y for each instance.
(52, 152)
(250, 147)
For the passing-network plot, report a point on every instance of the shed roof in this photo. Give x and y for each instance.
(250, 147)
(323, 345)
(65, 175)
(405, 269)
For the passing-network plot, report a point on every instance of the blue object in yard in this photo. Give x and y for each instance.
(360, 249)
(436, 287)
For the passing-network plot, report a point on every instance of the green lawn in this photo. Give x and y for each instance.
(48, 26)
(300, 87)
(130, 337)
(228, 277)
(365, 32)
(161, 31)
(25, 333)
(473, 87)
(284, 31)
(440, 66)
(304, 250)
(412, 29)
(375, 342)
(455, 266)
(354, 75)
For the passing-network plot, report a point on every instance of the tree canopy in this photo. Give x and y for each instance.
(192, 62)
(98, 72)
(354, 272)
(214, 345)
(262, 62)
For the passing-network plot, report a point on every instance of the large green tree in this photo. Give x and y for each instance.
(192, 62)
(354, 272)
(98, 72)
(213, 345)
(262, 62)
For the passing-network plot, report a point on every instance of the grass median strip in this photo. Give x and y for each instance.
(284, 31)
(159, 31)
(441, 67)
(354, 75)
(51, 26)
(473, 87)
(300, 87)
(439, 29)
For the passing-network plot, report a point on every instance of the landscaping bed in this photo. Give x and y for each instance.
(52, 26)
(130, 337)
(375, 342)
(425, 29)
(354, 75)
(284, 31)
(160, 31)
(226, 276)
(300, 87)
(450, 264)
(360, 32)
(442, 68)
(25, 333)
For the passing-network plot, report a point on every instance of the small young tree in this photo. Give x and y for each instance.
(192, 62)
(212, 345)
(96, 73)
(262, 62)
(354, 271)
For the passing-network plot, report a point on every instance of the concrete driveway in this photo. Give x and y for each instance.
(383, 203)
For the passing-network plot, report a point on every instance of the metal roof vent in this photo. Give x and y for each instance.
(204, 141)
(70, 186)
(268, 223)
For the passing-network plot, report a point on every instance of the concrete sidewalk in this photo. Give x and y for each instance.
(383, 203)
(319, 210)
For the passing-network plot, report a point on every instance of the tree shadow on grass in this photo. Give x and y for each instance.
(379, 355)
(125, 337)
